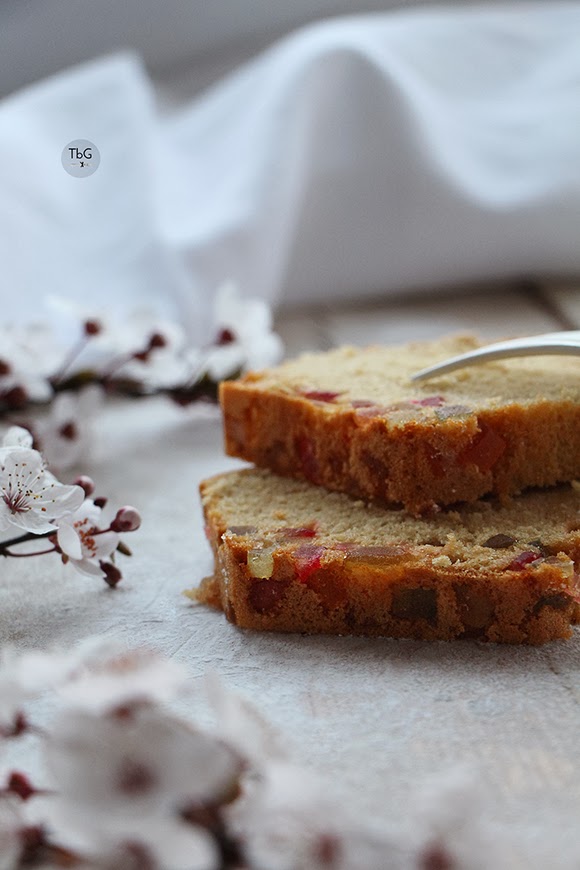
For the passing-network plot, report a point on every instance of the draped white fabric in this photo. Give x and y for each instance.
(369, 154)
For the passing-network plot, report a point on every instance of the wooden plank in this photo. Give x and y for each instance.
(564, 298)
(301, 330)
(488, 314)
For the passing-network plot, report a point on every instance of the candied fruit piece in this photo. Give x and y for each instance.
(344, 546)
(307, 559)
(555, 600)
(265, 596)
(363, 403)
(528, 557)
(303, 532)
(484, 451)
(241, 530)
(538, 544)
(416, 603)
(261, 562)
(307, 456)
(429, 402)
(452, 411)
(329, 587)
(499, 542)
(476, 609)
(321, 395)
(375, 465)
(373, 555)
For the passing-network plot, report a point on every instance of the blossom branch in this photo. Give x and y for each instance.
(148, 357)
(35, 502)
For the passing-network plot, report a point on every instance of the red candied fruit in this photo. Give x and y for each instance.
(307, 456)
(523, 560)
(321, 395)
(265, 596)
(304, 532)
(484, 451)
(363, 403)
(429, 402)
(308, 558)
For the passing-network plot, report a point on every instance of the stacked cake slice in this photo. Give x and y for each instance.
(382, 507)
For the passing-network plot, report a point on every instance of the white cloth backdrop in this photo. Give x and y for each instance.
(360, 155)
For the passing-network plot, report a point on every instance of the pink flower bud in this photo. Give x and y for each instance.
(85, 483)
(16, 398)
(157, 340)
(128, 519)
(225, 336)
(69, 431)
(92, 327)
(19, 784)
(111, 572)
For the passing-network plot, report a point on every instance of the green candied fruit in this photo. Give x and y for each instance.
(499, 542)
(261, 562)
(415, 604)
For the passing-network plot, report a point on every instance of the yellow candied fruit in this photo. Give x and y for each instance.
(441, 562)
(565, 564)
(261, 563)
(454, 549)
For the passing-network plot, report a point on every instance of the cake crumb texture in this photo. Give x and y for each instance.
(504, 572)
(351, 420)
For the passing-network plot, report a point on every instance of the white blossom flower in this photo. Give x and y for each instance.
(290, 819)
(106, 676)
(241, 725)
(245, 326)
(164, 368)
(24, 675)
(121, 777)
(66, 434)
(159, 845)
(11, 823)
(27, 357)
(81, 541)
(16, 436)
(118, 333)
(450, 814)
(30, 497)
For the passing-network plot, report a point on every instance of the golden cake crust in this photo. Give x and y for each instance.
(351, 420)
(292, 557)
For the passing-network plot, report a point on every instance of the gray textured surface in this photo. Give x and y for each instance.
(384, 716)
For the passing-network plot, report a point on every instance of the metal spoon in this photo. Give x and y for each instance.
(535, 345)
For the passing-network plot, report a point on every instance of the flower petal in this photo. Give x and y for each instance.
(69, 541)
(17, 437)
